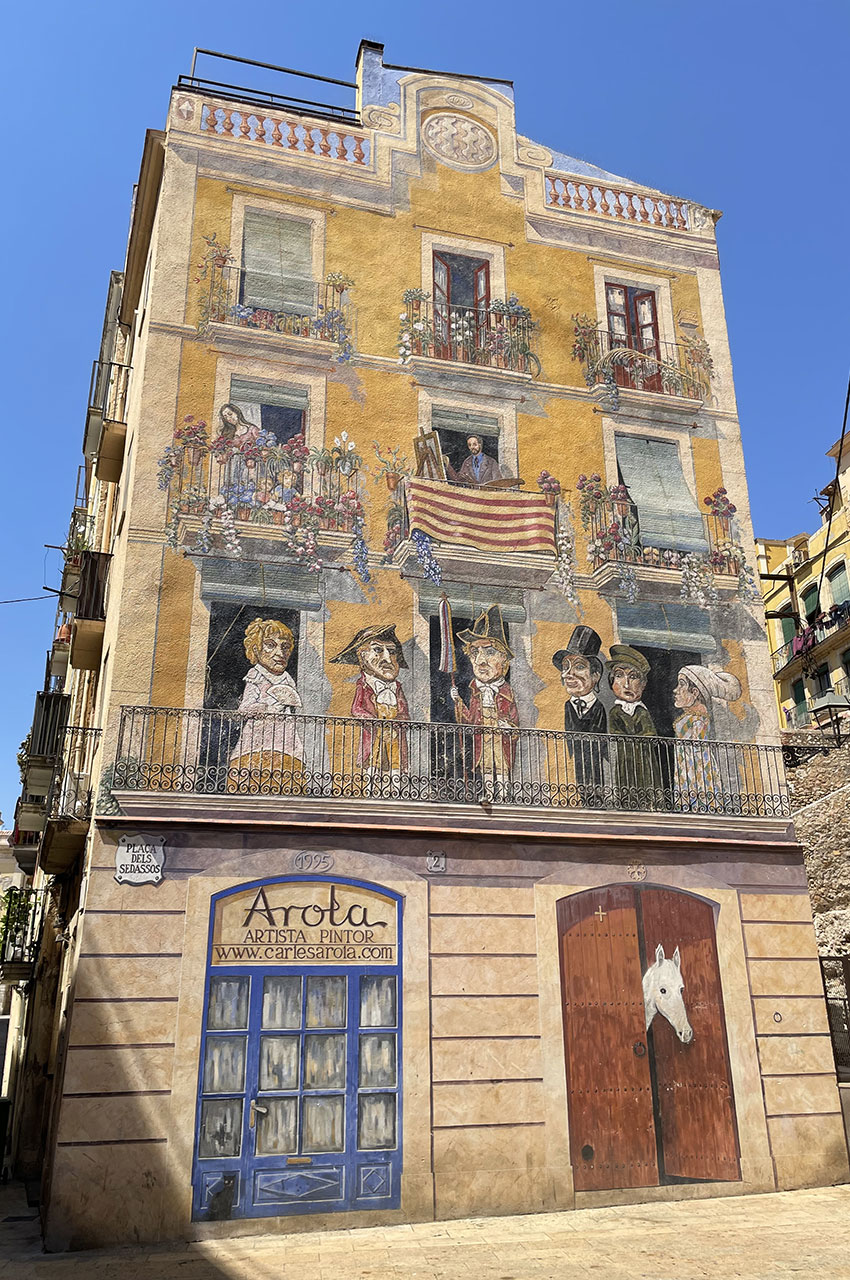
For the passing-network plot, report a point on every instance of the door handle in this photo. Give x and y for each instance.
(256, 1110)
(639, 1049)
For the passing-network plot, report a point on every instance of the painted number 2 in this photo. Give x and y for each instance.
(314, 861)
(436, 861)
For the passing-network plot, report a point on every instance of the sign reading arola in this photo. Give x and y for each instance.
(303, 921)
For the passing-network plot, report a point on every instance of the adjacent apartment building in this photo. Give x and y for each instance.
(405, 798)
(807, 604)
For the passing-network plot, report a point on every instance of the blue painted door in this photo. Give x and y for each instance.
(298, 1106)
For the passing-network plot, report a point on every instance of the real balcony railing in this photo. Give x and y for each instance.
(664, 368)
(614, 535)
(830, 624)
(212, 752)
(292, 306)
(493, 336)
(106, 419)
(69, 804)
(20, 932)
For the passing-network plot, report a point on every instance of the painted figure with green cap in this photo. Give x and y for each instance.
(638, 771)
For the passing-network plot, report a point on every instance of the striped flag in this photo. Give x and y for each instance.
(486, 519)
(448, 658)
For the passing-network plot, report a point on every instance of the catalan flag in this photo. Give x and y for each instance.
(486, 519)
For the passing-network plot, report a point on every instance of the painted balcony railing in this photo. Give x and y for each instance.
(497, 336)
(290, 305)
(266, 486)
(291, 133)
(614, 536)
(664, 368)
(71, 792)
(211, 752)
(580, 196)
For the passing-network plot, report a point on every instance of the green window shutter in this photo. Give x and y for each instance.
(244, 391)
(838, 584)
(277, 263)
(810, 602)
(798, 693)
(668, 515)
(788, 628)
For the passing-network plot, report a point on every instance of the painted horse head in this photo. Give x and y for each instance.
(662, 993)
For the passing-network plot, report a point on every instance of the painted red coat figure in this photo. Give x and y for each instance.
(505, 708)
(366, 707)
(378, 699)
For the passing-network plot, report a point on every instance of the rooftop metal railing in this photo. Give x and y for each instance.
(213, 752)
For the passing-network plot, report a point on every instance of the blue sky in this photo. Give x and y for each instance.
(739, 104)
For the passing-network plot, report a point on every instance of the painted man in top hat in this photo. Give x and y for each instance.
(491, 700)
(638, 771)
(581, 670)
(379, 697)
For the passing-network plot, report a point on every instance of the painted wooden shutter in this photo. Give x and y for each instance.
(612, 1127)
(645, 324)
(695, 1106)
(618, 326)
(482, 286)
(277, 263)
(442, 297)
(667, 511)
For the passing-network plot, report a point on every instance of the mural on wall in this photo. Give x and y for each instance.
(648, 1076)
(491, 701)
(379, 697)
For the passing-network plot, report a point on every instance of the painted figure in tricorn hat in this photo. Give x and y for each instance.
(378, 696)
(581, 670)
(638, 770)
(491, 700)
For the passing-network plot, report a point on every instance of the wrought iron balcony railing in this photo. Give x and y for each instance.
(70, 795)
(665, 368)
(829, 624)
(290, 305)
(108, 389)
(500, 335)
(20, 931)
(614, 535)
(211, 752)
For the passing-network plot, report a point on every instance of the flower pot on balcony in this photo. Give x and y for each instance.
(393, 481)
(194, 453)
(243, 511)
(551, 498)
(278, 517)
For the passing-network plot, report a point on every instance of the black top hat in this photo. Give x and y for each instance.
(584, 641)
(489, 627)
(366, 636)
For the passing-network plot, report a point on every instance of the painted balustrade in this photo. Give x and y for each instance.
(579, 196)
(294, 134)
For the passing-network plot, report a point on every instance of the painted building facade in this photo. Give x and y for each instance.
(418, 800)
(806, 591)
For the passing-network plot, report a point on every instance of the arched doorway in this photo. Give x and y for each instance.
(647, 1105)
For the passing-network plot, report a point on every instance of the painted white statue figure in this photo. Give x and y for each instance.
(662, 993)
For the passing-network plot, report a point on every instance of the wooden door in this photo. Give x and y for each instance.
(694, 1085)
(644, 326)
(612, 1125)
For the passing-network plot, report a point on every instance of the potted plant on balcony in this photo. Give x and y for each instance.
(345, 456)
(213, 265)
(415, 333)
(393, 469)
(339, 282)
(192, 438)
(549, 487)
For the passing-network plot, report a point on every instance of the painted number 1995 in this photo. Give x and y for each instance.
(314, 861)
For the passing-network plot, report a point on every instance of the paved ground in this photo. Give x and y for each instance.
(795, 1233)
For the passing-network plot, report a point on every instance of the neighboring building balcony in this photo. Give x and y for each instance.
(813, 638)
(20, 933)
(494, 335)
(69, 802)
(288, 306)
(89, 610)
(805, 714)
(106, 419)
(661, 368)
(211, 761)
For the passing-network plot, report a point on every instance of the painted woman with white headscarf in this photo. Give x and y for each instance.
(701, 781)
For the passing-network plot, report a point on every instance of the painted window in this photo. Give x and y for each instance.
(455, 428)
(299, 1083)
(838, 584)
(667, 512)
(277, 263)
(461, 299)
(633, 323)
(280, 410)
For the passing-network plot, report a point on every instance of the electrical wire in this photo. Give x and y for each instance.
(23, 599)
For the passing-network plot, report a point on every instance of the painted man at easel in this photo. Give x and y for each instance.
(491, 701)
